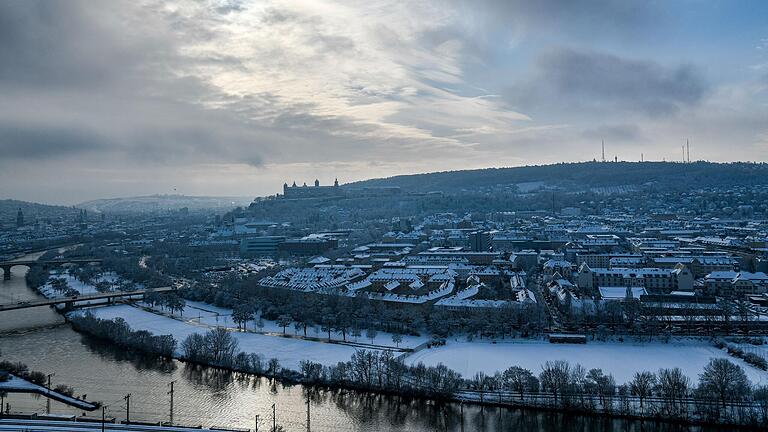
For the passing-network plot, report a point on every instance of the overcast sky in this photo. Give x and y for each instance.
(227, 97)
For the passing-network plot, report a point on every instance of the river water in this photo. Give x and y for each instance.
(205, 396)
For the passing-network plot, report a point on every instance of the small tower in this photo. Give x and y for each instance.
(335, 182)
(317, 183)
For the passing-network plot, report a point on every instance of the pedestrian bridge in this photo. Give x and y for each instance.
(7, 265)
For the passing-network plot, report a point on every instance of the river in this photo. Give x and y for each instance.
(205, 396)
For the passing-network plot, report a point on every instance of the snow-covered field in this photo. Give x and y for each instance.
(217, 316)
(289, 351)
(620, 359)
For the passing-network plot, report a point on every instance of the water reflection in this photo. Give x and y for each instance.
(108, 352)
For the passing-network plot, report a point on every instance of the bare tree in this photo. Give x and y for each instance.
(241, 315)
(673, 386)
(642, 385)
(397, 338)
(555, 377)
(221, 346)
(604, 386)
(284, 321)
(519, 380)
(273, 367)
(371, 334)
(725, 379)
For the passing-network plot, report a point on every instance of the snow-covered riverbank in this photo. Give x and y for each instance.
(288, 351)
(621, 359)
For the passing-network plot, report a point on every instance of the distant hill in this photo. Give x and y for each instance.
(162, 202)
(582, 176)
(31, 211)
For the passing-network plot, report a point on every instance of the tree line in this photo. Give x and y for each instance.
(119, 332)
(370, 370)
(350, 315)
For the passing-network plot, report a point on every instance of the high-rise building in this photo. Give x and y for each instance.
(480, 241)
(19, 218)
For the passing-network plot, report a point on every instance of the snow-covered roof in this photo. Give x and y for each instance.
(417, 284)
(722, 275)
(526, 296)
(313, 279)
(318, 260)
(619, 293)
(391, 285)
(632, 272)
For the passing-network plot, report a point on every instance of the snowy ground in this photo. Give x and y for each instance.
(216, 316)
(82, 288)
(289, 351)
(620, 359)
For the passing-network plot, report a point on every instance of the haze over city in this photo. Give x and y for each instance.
(123, 98)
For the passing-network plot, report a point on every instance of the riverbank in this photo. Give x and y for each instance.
(684, 411)
(384, 374)
(110, 373)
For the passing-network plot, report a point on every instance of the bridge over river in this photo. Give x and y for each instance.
(83, 300)
(7, 265)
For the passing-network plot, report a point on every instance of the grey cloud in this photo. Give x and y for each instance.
(31, 142)
(622, 133)
(332, 43)
(229, 6)
(277, 16)
(586, 18)
(65, 43)
(575, 80)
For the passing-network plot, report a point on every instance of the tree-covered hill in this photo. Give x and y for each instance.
(675, 176)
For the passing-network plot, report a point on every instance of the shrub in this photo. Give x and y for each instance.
(65, 390)
(755, 360)
(36, 377)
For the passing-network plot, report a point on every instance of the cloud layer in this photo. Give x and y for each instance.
(235, 97)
